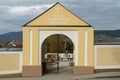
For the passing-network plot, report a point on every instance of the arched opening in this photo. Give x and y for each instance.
(57, 54)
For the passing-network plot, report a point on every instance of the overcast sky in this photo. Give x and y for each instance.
(102, 14)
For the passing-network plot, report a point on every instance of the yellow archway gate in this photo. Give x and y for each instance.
(57, 20)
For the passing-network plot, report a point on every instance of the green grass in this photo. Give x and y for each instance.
(110, 39)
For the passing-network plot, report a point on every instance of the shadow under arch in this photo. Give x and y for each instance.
(54, 49)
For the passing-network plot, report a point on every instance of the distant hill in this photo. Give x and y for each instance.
(11, 36)
(107, 36)
(110, 35)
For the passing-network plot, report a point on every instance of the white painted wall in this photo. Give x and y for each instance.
(30, 47)
(85, 47)
(62, 55)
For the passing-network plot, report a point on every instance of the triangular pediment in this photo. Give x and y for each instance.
(57, 15)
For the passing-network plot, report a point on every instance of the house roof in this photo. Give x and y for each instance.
(16, 43)
(57, 16)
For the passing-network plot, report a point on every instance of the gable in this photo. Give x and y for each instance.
(57, 15)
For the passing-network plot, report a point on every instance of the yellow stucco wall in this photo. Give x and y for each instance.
(35, 43)
(108, 55)
(55, 17)
(81, 46)
(90, 47)
(25, 45)
(9, 61)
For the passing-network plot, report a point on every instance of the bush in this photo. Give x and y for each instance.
(71, 63)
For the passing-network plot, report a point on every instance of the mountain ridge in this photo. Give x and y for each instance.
(11, 36)
(18, 35)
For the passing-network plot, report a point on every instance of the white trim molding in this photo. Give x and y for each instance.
(30, 47)
(20, 63)
(85, 47)
(107, 67)
(72, 34)
(106, 46)
(39, 48)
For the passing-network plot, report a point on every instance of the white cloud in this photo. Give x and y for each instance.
(15, 13)
(27, 9)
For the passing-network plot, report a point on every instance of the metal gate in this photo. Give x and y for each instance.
(50, 57)
(51, 48)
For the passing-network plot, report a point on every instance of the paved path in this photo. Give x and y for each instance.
(66, 74)
(69, 76)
